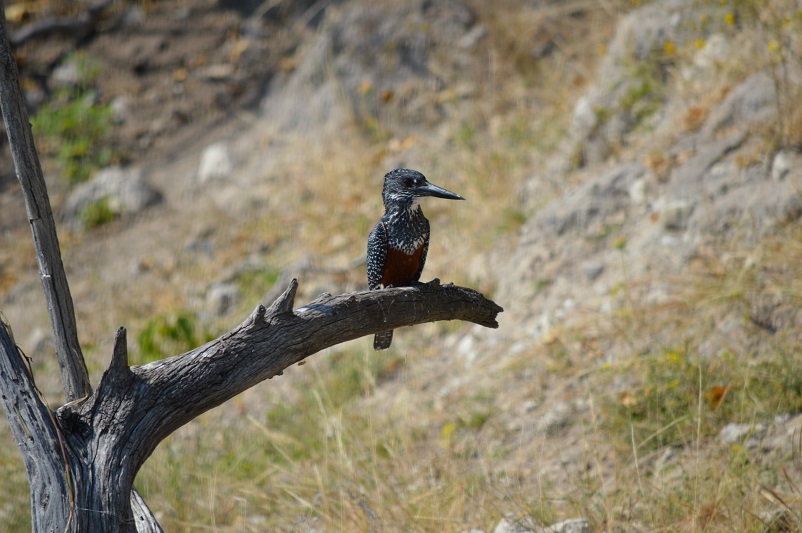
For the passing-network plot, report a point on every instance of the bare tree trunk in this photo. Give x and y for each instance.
(82, 460)
(54, 468)
(37, 436)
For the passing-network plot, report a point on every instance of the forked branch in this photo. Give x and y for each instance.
(166, 394)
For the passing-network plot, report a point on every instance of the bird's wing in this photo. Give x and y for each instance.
(377, 255)
(423, 252)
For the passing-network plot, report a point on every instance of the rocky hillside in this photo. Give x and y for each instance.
(634, 199)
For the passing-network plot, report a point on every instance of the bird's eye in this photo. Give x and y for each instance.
(409, 182)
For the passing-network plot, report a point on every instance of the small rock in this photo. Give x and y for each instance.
(675, 214)
(66, 75)
(525, 525)
(780, 166)
(120, 109)
(466, 348)
(215, 163)
(572, 525)
(637, 192)
(687, 176)
(472, 37)
(134, 17)
(35, 96)
(555, 418)
(140, 266)
(217, 72)
(715, 51)
(584, 117)
(200, 246)
(732, 432)
(125, 188)
(779, 520)
(657, 296)
(592, 270)
(221, 297)
(510, 526)
(782, 419)
(751, 102)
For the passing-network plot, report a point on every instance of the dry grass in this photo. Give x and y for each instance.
(662, 405)
(356, 441)
(360, 442)
(332, 458)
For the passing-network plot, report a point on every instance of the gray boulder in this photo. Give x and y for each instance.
(123, 190)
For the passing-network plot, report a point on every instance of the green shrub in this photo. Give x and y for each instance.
(97, 213)
(169, 335)
(73, 126)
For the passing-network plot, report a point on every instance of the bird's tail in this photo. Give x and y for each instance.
(382, 340)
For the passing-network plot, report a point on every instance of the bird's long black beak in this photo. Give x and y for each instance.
(438, 192)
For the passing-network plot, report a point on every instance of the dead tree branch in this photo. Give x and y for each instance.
(74, 375)
(266, 343)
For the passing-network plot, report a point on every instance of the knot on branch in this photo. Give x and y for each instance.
(118, 373)
(283, 303)
(119, 356)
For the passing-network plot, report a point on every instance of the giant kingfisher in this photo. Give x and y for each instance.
(398, 244)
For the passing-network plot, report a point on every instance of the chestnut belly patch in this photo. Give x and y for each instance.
(400, 269)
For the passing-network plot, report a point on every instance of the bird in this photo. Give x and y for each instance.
(399, 243)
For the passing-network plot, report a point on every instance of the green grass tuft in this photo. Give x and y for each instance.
(73, 125)
(97, 213)
(170, 334)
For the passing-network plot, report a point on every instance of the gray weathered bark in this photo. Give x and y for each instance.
(74, 375)
(37, 436)
(82, 459)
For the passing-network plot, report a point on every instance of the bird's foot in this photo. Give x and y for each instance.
(435, 282)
